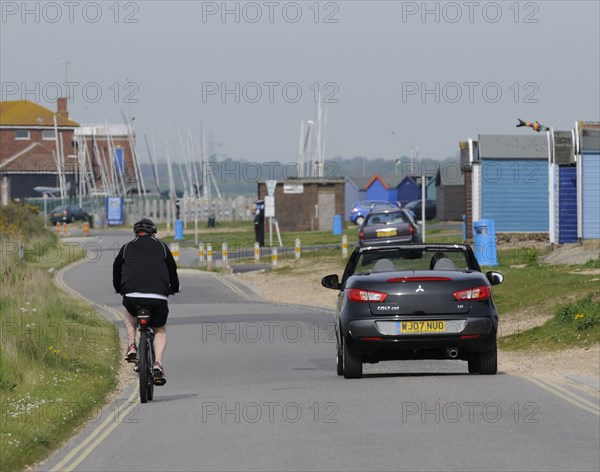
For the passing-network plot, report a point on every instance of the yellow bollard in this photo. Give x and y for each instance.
(65, 229)
(224, 260)
(200, 253)
(344, 246)
(174, 247)
(209, 254)
(256, 252)
(274, 256)
(86, 228)
(297, 249)
(57, 228)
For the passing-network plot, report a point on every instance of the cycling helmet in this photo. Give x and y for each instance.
(144, 225)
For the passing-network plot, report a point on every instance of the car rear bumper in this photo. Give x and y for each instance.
(471, 334)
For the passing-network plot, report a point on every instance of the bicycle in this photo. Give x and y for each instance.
(145, 355)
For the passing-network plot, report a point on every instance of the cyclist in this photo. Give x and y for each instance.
(145, 273)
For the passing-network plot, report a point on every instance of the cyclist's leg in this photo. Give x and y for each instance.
(131, 326)
(130, 320)
(160, 313)
(160, 343)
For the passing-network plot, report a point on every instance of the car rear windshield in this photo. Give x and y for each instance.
(419, 258)
(387, 218)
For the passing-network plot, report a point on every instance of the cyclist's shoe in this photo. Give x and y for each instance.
(159, 374)
(131, 353)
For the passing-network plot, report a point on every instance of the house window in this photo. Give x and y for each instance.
(22, 134)
(48, 134)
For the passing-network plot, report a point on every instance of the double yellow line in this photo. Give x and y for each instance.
(230, 285)
(566, 395)
(78, 454)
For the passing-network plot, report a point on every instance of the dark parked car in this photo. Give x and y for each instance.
(388, 227)
(363, 207)
(415, 207)
(426, 301)
(68, 214)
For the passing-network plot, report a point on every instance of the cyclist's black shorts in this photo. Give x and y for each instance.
(159, 309)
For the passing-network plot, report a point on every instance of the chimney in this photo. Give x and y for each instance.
(61, 107)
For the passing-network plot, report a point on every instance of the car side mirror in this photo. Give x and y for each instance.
(331, 281)
(495, 278)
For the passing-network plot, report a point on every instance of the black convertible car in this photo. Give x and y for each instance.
(426, 301)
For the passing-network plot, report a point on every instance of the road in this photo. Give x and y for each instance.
(252, 386)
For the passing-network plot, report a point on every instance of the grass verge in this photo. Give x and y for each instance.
(575, 324)
(58, 357)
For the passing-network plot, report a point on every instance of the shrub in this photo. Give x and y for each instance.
(583, 314)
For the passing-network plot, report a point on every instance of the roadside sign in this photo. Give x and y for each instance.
(293, 188)
(271, 184)
(270, 206)
(114, 210)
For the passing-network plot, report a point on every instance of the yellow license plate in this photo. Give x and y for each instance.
(418, 327)
(386, 233)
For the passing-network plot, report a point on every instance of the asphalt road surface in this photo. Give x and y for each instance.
(252, 386)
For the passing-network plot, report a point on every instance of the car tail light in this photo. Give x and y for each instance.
(411, 229)
(371, 339)
(418, 279)
(476, 293)
(359, 295)
(361, 234)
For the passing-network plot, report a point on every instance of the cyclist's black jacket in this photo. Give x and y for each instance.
(145, 265)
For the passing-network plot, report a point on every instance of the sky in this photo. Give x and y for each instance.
(393, 75)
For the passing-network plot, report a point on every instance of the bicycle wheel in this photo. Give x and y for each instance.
(150, 339)
(145, 368)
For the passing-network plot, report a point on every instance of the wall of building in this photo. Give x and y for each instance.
(296, 211)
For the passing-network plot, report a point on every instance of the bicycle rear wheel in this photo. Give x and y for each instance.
(150, 339)
(145, 368)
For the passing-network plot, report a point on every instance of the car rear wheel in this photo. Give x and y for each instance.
(352, 364)
(488, 362)
(340, 362)
(473, 367)
(359, 220)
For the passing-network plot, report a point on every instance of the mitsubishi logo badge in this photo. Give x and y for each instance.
(420, 289)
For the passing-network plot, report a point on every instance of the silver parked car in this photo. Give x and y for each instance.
(388, 227)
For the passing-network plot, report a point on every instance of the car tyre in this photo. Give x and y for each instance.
(473, 365)
(359, 220)
(488, 361)
(352, 364)
(340, 360)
